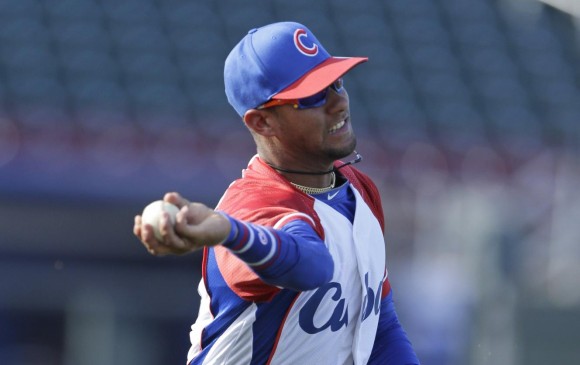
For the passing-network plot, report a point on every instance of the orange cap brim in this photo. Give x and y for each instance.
(319, 77)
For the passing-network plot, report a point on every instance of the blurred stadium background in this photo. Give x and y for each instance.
(468, 117)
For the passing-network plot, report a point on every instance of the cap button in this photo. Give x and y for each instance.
(253, 30)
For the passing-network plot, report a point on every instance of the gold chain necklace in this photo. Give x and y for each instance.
(308, 190)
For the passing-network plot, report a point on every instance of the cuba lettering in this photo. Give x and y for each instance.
(339, 316)
(337, 320)
(371, 300)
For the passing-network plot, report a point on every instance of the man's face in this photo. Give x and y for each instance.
(323, 134)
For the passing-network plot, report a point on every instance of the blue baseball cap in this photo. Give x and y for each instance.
(280, 61)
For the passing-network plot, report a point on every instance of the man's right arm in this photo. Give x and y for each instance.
(291, 257)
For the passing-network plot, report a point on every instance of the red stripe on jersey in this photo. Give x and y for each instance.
(280, 331)
(368, 191)
(386, 288)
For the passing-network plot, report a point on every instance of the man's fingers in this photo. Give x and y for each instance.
(186, 234)
(137, 226)
(193, 213)
(147, 234)
(170, 243)
(170, 239)
(175, 199)
(148, 239)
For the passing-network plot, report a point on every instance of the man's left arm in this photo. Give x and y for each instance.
(392, 346)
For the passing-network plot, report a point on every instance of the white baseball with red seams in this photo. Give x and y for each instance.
(153, 212)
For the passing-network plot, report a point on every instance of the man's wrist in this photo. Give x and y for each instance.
(233, 232)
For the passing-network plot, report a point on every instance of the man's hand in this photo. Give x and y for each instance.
(196, 226)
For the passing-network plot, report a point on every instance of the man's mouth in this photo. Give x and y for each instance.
(337, 126)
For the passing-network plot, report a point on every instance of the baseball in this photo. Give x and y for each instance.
(152, 215)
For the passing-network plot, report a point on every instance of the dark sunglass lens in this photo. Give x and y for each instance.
(314, 100)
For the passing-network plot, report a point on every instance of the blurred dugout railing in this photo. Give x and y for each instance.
(105, 78)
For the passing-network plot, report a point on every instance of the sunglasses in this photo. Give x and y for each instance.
(313, 101)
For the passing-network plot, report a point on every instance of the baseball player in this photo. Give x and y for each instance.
(294, 267)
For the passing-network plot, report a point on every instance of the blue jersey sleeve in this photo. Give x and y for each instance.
(292, 257)
(392, 346)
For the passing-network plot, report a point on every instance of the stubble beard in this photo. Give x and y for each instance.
(337, 154)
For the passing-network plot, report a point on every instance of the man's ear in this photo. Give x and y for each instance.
(260, 121)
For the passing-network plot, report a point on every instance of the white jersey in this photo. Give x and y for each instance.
(245, 321)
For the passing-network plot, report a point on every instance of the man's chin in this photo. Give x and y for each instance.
(344, 152)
